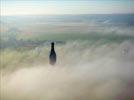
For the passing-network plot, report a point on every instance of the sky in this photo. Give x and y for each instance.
(48, 7)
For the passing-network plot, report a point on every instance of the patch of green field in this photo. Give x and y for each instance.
(79, 36)
(17, 52)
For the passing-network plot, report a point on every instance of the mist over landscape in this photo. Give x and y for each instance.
(95, 57)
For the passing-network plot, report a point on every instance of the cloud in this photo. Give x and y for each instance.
(83, 71)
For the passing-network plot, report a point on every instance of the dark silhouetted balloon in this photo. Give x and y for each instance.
(52, 56)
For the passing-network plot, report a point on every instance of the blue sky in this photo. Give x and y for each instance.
(44, 7)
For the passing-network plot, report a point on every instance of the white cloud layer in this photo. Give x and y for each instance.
(83, 71)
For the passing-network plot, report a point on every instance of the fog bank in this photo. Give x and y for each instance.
(84, 71)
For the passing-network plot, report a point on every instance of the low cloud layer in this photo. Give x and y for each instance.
(104, 24)
(84, 71)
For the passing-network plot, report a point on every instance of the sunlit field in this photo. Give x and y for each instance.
(95, 57)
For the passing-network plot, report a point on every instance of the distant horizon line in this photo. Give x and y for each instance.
(70, 14)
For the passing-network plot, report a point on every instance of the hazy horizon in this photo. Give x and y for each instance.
(45, 7)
